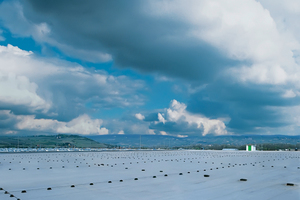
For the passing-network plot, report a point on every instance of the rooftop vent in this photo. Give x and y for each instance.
(290, 184)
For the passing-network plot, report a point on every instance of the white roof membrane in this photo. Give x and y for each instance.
(266, 174)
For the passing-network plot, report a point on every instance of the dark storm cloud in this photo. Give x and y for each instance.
(151, 117)
(6, 119)
(132, 38)
(249, 106)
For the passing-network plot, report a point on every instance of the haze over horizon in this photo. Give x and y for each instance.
(156, 67)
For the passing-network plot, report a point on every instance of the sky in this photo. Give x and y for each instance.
(160, 67)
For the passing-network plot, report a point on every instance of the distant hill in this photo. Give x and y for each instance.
(49, 141)
(145, 141)
(162, 141)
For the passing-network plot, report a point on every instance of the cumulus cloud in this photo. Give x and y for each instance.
(285, 14)
(289, 94)
(83, 125)
(178, 119)
(241, 57)
(161, 118)
(243, 31)
(163, 133)
(45, 92)
(19, 91)
(51, 86)
(151, 132)
(139, 116)
(9, 49)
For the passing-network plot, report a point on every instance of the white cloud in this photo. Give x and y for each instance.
(161, 118)
(121, 132)
(266, 73)
(286, 15)
(244, 30)
(10, 132)
(24, 63)
(16, 85)
(160, 78)
(40, 82)
(163, 133)
(61, 90)
(18, 90)
(182, 136)
(177, 113)
(139, 116)
(9, 49)
(151, 132)
(289, 94)
(81, 125)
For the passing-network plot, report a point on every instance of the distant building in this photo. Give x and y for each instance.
(229, 149)
(250, 147)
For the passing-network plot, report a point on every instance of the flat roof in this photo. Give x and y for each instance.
(150, 175)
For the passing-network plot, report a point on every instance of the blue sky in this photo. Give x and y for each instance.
(149, 67)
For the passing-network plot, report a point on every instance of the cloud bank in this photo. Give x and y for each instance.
(239, 62)
(55, 91)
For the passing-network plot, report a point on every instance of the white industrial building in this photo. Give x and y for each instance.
(250, 147)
